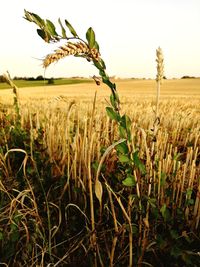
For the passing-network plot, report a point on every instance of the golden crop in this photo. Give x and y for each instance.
(74, 133)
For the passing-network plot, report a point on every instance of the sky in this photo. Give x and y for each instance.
(128, 32)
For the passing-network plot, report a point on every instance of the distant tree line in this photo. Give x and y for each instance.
(51, 80)
(38, 78)
(188, 77)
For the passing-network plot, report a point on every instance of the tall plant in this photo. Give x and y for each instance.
(127, 158)
(159, 79)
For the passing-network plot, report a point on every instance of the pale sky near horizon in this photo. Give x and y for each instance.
(128, 32)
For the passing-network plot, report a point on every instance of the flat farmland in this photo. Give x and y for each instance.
(126, 87)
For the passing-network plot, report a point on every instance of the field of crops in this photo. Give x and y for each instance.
(21, 83)
(55, 148)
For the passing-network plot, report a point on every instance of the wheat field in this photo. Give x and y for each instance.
(59, 109)
(75, 129)
(126, 87)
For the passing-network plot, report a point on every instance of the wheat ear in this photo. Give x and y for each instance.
(76, 49)
(159, 76)
(160, 65)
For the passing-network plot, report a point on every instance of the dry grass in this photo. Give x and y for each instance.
(178, 134)
(75, 131)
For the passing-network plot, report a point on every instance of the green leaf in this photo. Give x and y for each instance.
(103, 65)
(116, 94)
(163, 210)
(32, 17)
(90, 36)
(142, 168)
(122, 132)
(138, 163)
(27, 15)
(51, 28)
(106, 80)
(126, 122)
(102, 73)
(114, 100)
(96, 45)
(39, 21)
(43, 34)
(113, 115)
(122, 148)
(62, 28)
(189, 193)
(100, 65)
(124, 158)
(129, 181)
(71, 29)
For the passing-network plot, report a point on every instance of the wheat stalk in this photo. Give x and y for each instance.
(159, 76)
(75, 49)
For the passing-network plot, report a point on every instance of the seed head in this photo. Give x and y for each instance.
(76, 49)
(160, 65)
